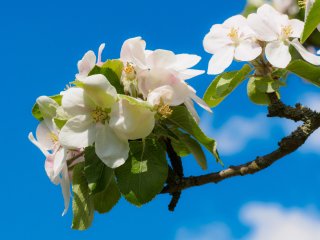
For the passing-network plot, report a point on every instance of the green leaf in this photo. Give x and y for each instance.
(112, 70)
(259, 87)
(305, 70)
(98, 175)
(144, 173)
(104, 201)
(60, 122)
(82, 204)
(182, 119)
(312, 21)
(194, 147)
(224, 84)
(36, 112)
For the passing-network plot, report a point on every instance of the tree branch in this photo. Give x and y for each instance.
(289, 144)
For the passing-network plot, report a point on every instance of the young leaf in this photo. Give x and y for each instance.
(305, 70)
(224, 84)
(112, 70)
(182, 119)
(143, 175)
(98, 175)
(82, 204)
(104, 201)
(312, 21)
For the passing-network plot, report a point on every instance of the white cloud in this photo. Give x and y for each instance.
(217, 231)
(270, 221)
(266, 222)
(234, 136)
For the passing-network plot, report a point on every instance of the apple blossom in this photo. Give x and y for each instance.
(88, 61)
(98, 116)
(278, 31)
(231, 40)
(283, 6)
(153, 74)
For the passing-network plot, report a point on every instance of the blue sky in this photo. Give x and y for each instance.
(40, 45)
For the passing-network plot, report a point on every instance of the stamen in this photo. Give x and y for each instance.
(287, 31)
(302, 4)
(100, 115)
(165, 111)
(54, 138)
(234, 34)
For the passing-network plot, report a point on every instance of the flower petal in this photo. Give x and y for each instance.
(132, 51)
(221, 60)
(126, 119)
(86, 64)
(190, 106)
(59, 161)
(37, 144)
(45, 136)
(101, 48)
(247, 50)
(110, 148)
(161, 59)
(185, 61)
(297, 28)
(78, 132)
(216, 39)
(65, 187)
(189, 73)
(278, 54)
(305, 54)
(76, 102)
(47, 106)
(100, 90)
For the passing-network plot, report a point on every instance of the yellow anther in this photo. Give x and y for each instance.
(165, 111)
(233, 34)
(129, 69)
(99, 115)
(54, 138)
(287, 31)
(302, 3)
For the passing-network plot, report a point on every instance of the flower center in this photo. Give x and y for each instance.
(100, 115)
(286, 31)
(53, 137)
(129, 71)
(234, 34)
(164, 109)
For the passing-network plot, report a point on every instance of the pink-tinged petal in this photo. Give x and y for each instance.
(46, 137)
(305, 54)
(86, 64)
(79, 132)
(133, 51)
(38, 145)
(48, 166)
(189, 73)
(297, 28)
(110, 148)
(59, 161)
(101, 48)
(161, 59)
(221, 60)
(247, 50)
(65, 187)
(277, 53)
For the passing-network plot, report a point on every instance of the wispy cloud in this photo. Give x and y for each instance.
(266, 222)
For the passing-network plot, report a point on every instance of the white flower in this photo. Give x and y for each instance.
(278, 30)
(283, 6)
(99, 117)
(56, 155)
(88, 61)
(155, 71)
(232, 39)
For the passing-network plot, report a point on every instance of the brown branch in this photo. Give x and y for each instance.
(289, 144)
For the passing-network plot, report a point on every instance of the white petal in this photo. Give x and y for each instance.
(185, 61)
(278, 54)
(216, 39)
(189, 73)
(126, 120)
(110, 148)
(161, 59)
(47, 106)
(100, 90)
(297, 28)
(86, 64)
(190, 106)
(76, 102)
(37, 144)
(199, 101)
(101, 48)
(247, 50)
(65, 187)
(132, 51)
(48, 166)
(221, 60)
(59, 161)
(78, 132)
(44, 136)
(305, 54)
(164, 94)
(237, 21)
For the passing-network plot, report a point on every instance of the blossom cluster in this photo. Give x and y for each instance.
(267, 32)
(93, 112)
